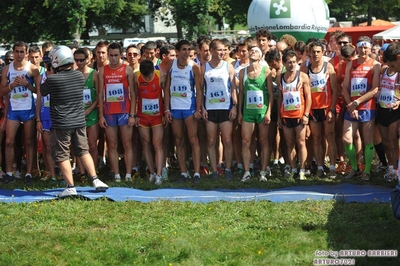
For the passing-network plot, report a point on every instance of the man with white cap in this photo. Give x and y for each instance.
(255, 88)
(360, 86)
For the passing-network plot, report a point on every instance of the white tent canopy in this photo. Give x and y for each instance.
(390, 34)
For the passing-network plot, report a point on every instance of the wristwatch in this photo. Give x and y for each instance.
(132, 115)
(234, 105)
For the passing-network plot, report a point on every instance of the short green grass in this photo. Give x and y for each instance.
(78, 232)
(74, 232)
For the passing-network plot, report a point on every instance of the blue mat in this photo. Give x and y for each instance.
(342, 192)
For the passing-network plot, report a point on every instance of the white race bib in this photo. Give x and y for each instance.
(87, 97)
(386, 98)
(150, 106)
(115, 92)
(255, 100)
(291, 100)
(46, 101)
(358, 86)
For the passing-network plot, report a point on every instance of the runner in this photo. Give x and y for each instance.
(90, 102)
(21, 75)
(43, 125)
(388, 117)
(294, 102)
(324, 87)
(255, 101)
(182, 101)
(360, 86)
(117, 108)
(220, 105)
(148, 86)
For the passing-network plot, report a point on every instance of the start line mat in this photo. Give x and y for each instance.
(341, 192)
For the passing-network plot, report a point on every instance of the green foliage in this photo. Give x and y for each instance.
(362, 10)
(31, 20)
(192, 15)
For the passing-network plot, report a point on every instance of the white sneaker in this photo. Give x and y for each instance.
(117, 179)
(152, 177)
(246, 177)
(69, 191)
(17, 174)
(302, 176)
(158, 180)
(128, 179)
(281, 160)
(99, 185)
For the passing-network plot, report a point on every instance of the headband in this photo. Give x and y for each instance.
(363, 44)
(272, 42)
(257, 49)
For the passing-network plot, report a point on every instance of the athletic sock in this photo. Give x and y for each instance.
(380, 150)
(351, 154)
(369, 156)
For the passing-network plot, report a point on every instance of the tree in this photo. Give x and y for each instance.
(191, 15)
(235, 11)
(32, 20)
(363, 10)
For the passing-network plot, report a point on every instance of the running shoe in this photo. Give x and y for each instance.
(196, 178)
(341, 168)
(263, 176)
(69, 191)
(158, 180)
(302, 176)
(99, 185)
(246, 177)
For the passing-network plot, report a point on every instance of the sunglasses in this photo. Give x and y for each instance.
(79, 60)
(132, 54)
(343, 43)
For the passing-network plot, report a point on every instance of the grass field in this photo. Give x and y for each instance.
(76, 232)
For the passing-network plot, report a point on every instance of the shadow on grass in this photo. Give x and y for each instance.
(363, 227)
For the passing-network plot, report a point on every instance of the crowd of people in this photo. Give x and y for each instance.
(320, 108)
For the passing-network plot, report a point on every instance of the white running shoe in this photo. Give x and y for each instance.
(17, 174)
(152, 177)
(69, 191)
(158, 180)
(99, 185)
(246, 177)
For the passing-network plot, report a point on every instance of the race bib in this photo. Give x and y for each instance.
(216, 95)
(255, 100)
(150, 106)
(291, 100)
(87, 97)
(20, 93)
(179, 90)
(115, 92)
(358, 86)
(386, 98)
(46, 101)
(318, 85)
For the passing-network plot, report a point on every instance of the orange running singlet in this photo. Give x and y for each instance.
(149, 96)
(116, 90)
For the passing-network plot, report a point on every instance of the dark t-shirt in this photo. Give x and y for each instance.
(66, 94)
